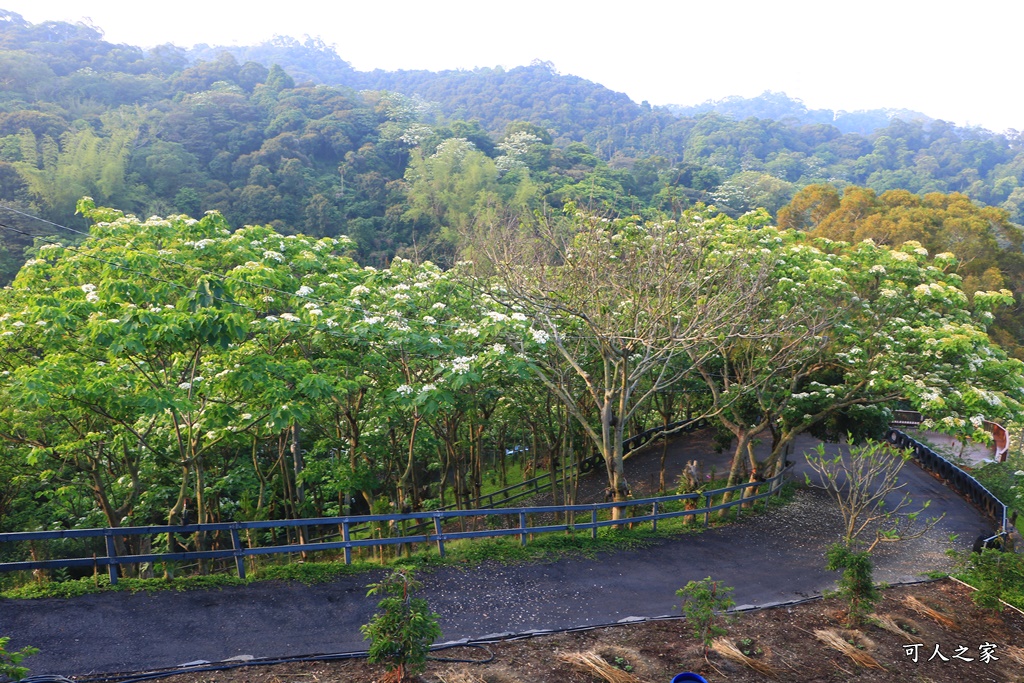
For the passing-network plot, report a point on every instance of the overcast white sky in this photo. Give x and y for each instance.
(959, 61)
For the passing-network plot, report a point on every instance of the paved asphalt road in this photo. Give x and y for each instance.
(770, 558)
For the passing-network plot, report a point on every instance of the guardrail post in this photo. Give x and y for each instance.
(654, 513)
(236, 545)
(112, 555)
(437, 532)
(707, 513)
(345, 537)
(593, 522)
(522, 525)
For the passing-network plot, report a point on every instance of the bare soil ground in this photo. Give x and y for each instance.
(780, 640)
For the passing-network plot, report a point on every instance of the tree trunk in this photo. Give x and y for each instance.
(173, 515)
(407, 482)
(298, 466)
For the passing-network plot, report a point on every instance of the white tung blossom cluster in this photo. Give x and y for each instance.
(460, 365)
(90, 293)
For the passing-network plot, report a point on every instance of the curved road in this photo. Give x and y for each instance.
(768, 559)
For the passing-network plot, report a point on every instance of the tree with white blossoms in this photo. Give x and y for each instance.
(157, 338)
(750, 374)
(622, 302)
(439, 364)
(915, 335)
(899, 327)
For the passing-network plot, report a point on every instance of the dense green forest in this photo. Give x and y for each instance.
(321, 148)
(368, 291)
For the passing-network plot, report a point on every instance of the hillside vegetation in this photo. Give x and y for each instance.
(393, 290)
(319, 147)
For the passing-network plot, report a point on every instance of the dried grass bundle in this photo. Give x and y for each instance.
(462, 675)
(1015, 653)
(835, 640)
(728, 649)
(593, 663)
(887, 623)
(917, 606)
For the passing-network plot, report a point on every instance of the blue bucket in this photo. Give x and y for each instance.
(689, 677)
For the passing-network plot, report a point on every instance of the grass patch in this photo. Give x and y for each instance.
(101, 584)
(996, 576)
(311, 573)
(492, 482)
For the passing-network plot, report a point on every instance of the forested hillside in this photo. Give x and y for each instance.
(168, 130)
(777, 106)
(298, 289)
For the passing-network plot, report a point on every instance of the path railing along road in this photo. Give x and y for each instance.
(769, 559)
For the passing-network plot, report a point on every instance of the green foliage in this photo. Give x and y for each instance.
(703, 602)
(101, 583)
(103, 376)
(10, 662)
(856, 586)
(997, 575)
(1005, 480)
(243, 129)
(403, 629)
(311, 573)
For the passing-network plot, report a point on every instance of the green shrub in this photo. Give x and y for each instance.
(10, 662)
(1002, 480)
(998, 576)
(703, 603)
(403, 629)
(856, 586)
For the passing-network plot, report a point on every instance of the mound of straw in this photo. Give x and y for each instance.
(835, 640)
(459, 676)
(728, 649)
(593, 663)
(887, 623)
(917, 606)
(1014, 653)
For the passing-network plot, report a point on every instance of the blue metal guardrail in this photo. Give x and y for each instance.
(752, 492)
(956, 478)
